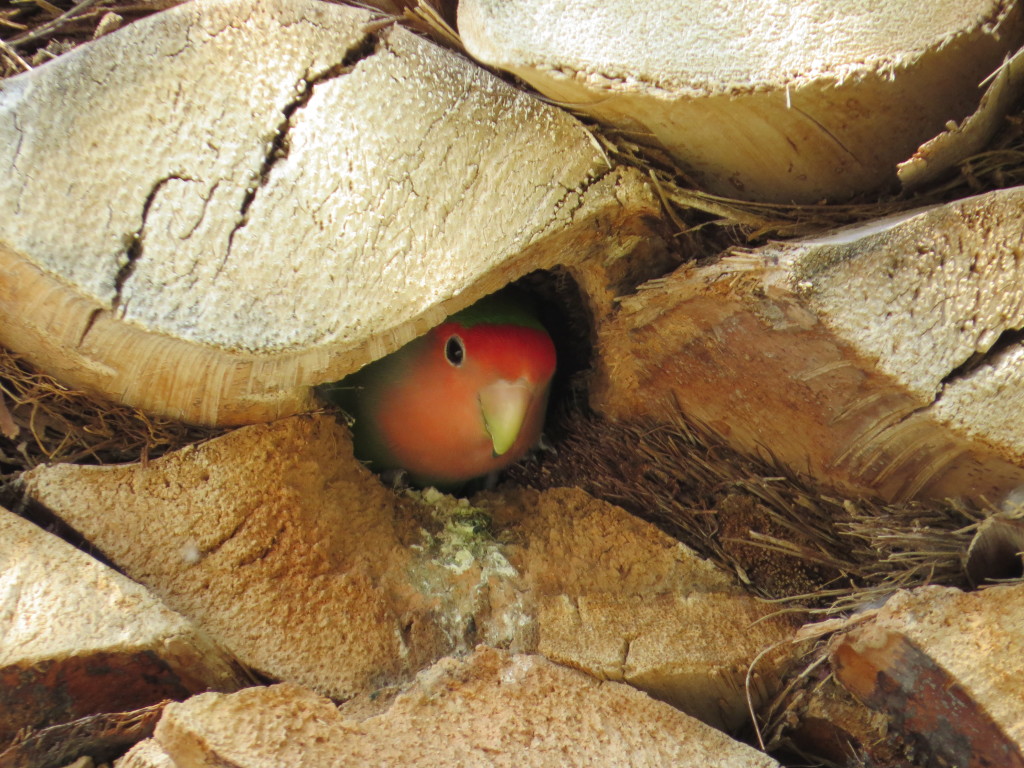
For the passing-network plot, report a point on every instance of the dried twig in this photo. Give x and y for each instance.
(10, 53)
(49, 27)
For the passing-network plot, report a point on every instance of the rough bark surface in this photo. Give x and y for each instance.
(791, 100)
(489, 709)
(78, 638)
(247, 226)
(146, 754)
(880, 359)
(297, 559)
(945, 666)
(271, 538)
(617, 598)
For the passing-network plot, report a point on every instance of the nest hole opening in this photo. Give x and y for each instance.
(563, 311)
(995, 553)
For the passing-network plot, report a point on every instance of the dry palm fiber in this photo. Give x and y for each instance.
(784, 537)
(43, 421)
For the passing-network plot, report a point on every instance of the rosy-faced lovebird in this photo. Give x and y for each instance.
(464, 401)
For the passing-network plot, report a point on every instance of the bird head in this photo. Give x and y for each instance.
(463, 401)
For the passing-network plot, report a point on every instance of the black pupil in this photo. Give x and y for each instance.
(454, 350)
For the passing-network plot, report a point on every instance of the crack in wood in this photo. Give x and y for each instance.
(280, 145)
(89, 323)
(133, 252)
(985, 358)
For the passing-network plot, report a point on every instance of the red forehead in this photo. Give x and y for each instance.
(510, 351)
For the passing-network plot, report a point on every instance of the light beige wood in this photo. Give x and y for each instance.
(693, 651)
(491, 708)
(205, 233)
(787, 100)
(843, 356)
(77, 638)
(619, 599)
(146, 754)
(295, 558)
(273, 539)
(962, 139)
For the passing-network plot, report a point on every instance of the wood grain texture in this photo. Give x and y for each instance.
(275, 575)
(789, 100)
(78, 638)
(879, 359)
(312, 572)
(488, 708)
(237, 228)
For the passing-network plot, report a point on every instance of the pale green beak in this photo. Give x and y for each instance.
(504, 405)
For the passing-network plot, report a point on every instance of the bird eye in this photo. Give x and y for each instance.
(455, 350)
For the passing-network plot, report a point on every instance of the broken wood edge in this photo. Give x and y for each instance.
(797, 139)
(890, 673)
(102, 737)
(884, 442)
(82, 344)
(942, 152)
(500, 42)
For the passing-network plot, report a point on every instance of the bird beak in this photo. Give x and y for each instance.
(503, 405)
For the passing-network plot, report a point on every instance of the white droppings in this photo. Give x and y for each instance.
(190, 552)
(517, 671)
(1013, 503)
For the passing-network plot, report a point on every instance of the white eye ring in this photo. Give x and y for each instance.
(455, 351)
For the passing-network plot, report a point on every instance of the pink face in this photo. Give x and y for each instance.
(435, 421)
